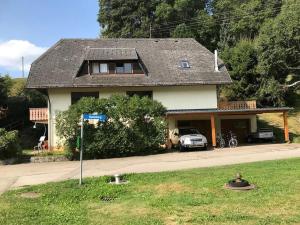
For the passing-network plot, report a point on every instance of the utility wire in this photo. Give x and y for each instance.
(230, 19)
(225, 21)
(227, 13)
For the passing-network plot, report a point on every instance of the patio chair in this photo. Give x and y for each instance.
(40, 144)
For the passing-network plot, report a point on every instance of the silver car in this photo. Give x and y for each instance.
(190, 138)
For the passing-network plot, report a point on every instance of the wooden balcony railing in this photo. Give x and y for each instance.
(38, 114)
(237, 105)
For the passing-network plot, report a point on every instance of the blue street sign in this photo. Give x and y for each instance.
(100, 117)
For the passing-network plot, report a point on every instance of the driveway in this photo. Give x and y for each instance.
(13, 176)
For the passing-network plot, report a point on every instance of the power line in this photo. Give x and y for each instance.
(194, 24)
(174, 22)
(190, 22)
(226, 13)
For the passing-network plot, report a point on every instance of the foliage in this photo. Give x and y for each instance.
(9, 144)
(241, 61)
(19, 99)
(191, 197)
(5, 84)
(126, 132)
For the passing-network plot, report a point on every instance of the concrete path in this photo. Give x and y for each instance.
(13, 176)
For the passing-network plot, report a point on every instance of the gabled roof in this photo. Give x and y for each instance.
(161, 58)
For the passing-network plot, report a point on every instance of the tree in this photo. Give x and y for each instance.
(5, 84)
(241, 61)
(183, 31)
(278, 47)
(135, 125)
(242, 19)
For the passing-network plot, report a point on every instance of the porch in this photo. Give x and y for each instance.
(238, 115)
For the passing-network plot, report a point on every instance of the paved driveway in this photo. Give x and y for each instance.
(12, 176)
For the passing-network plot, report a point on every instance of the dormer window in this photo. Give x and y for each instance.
(184, 64)
(99, 67)
(123, 67)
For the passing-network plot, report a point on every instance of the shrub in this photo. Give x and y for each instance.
(9, 144)
(135, 126)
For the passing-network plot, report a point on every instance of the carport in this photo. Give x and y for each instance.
(240, 119)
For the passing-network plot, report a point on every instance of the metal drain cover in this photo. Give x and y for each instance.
(106, 198)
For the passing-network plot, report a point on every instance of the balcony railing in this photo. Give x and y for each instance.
(38, 114)
(237, 105)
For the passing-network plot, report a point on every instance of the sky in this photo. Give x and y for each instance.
(29, 27)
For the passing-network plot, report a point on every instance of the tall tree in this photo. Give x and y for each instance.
(242, 19)
(241, 62)
(5, 84)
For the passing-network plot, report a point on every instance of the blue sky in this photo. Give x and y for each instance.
(29, 27)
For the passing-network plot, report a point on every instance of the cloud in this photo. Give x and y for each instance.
(11, 53)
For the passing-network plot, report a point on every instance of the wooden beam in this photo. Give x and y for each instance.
(213, 130)
(286, 127)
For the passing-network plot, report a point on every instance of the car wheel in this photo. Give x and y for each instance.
(249, 140)
(181, 148)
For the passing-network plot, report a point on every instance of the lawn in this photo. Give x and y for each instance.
(180, 197)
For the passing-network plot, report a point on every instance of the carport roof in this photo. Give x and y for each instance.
(229, 111)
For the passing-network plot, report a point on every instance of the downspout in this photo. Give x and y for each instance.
(49, 123)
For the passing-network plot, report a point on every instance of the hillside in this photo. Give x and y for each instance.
(275, 121)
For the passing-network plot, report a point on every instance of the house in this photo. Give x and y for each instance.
(180, 73)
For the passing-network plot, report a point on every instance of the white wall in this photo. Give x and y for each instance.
(187, 97)
(179, 97)
(60, 100)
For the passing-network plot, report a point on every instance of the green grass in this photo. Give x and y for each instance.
(180, 197)
(30, 152)
(275, 121)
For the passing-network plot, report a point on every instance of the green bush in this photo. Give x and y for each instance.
(9, 144)
(135, 126)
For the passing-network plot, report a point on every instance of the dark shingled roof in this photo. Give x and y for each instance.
(59, 66)
(111, 54)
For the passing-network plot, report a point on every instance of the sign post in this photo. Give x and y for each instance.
(81, 150)
(85, 116)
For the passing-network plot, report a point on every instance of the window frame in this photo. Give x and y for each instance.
(185, 62)
(148, 93)
(99, 68)
(75, 99)
(123, 68)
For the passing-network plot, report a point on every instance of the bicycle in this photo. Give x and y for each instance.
(232, 143)
(220, 141)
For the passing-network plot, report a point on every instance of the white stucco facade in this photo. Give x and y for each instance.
(175, 97)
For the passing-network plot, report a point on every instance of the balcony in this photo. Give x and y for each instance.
(234, 105)
(39, 115)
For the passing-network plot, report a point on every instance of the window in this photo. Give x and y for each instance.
(127, 68)
(123, 68)
(95, 67)
(184, 64)
(103, 68)
(140, 93)
(76, 96)
(99, 68)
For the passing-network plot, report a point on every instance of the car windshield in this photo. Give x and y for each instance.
(186, 131)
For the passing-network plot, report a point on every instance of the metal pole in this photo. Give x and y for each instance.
(150, 30)
(81, 150)
(23, 66)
